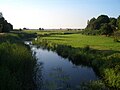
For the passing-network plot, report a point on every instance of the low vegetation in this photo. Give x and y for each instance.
(16, 62)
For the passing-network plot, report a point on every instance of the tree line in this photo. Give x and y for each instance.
(103, 25)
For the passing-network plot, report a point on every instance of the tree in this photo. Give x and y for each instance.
(4, 25)
(106, 29)
(118, 22)
(91, 24)
(113, 23)
(117, 36)
(7, 27)
(40, 28)
(103, 19)
(103, 24)
(95, 24)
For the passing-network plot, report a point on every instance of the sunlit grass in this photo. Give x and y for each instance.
(79, 40)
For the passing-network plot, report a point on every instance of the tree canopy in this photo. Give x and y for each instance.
(4, 25)
(118, 22)
(102, 25)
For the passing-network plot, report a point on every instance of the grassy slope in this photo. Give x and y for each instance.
(78, 40)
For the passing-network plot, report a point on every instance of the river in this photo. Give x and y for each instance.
(57, 73)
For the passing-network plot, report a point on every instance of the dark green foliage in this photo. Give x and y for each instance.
(117, 36)
(92, 24)
(16, 62)
(93, 85)
(91, 32)
(41, 29)
(95, 24)
(118, 22)
(2, 20)
(106, 29)
(16, 37)
(113, 21)
(103, 19)
(16, 67)
(5, 26)
(103, 25)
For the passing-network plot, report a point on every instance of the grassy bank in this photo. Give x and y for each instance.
(16, 62)
(99, 52)
(80, 41)
(16, 36)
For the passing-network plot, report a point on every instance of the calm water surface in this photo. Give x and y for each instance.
(57, 73)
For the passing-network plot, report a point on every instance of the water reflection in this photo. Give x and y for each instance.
(59, 80)
(38, 77)
(57, 73)
(54, 72)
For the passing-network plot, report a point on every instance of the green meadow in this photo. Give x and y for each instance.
(79, 40)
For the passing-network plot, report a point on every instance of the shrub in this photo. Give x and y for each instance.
(17, 65)
(112, 77)
(93, 85)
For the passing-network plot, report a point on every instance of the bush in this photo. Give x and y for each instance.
(93, 85)
(112, 77)
(16, 67)
(117, 36)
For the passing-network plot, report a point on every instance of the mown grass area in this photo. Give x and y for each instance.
(16, 62)
(79, 40)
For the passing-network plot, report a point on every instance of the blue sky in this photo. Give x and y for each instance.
(56, 13)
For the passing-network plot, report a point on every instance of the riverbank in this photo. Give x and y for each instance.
(16, 62)
(104, 58)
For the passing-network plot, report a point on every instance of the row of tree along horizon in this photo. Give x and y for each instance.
(41, 29)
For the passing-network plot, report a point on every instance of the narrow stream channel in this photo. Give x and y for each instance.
(56, 73)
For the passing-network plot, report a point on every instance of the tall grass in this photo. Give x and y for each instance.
(16, 67)
(16, 63)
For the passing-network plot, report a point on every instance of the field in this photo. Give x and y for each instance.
(79, 40)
